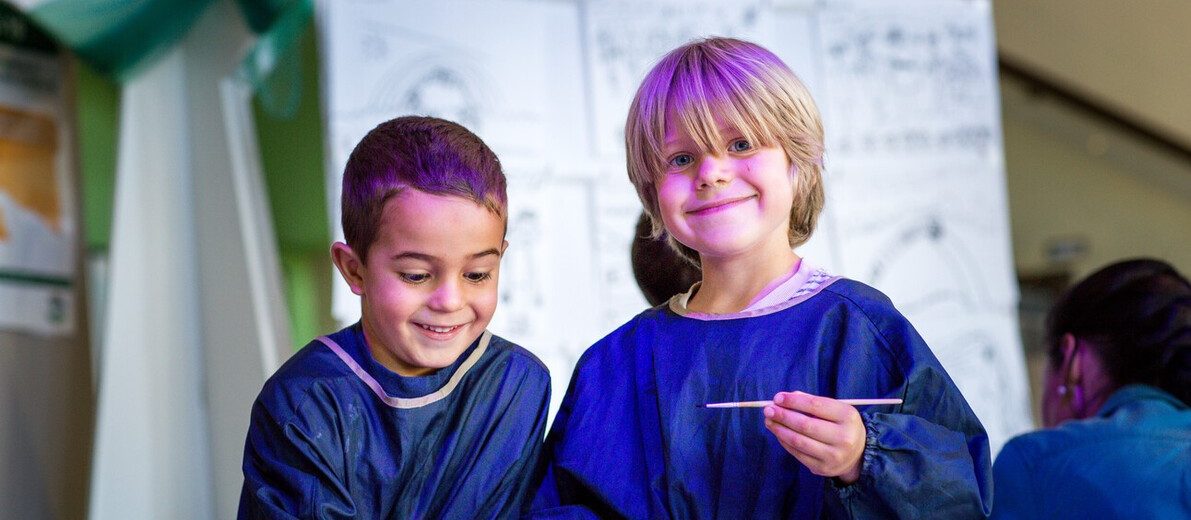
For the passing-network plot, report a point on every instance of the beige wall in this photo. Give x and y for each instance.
(1059, 190)
(46, 421)
(1131, 56)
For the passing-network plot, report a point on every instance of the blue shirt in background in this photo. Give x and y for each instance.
(1133, 460)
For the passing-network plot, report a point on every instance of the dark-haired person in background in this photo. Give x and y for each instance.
(1118, 443)
(659, 270)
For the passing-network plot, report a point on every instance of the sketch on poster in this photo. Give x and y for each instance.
(929, 269)
(387, 58)
(928, 245)
(913, 141)
(616, 211)
(523, 266)
(987, 369)
(918, 81)
(438, 84)
(624, 39)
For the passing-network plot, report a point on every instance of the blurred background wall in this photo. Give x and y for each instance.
(1097, 144)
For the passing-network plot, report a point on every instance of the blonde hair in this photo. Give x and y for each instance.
(744, 86)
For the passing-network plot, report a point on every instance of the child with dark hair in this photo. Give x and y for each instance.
(416, 411)
(659, 270)
(1116, 402)
(725, 150)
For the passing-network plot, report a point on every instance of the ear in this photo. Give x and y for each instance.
(504, 247)
(1070, 368)
(350, 266)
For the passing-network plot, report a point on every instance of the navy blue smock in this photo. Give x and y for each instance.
(1132, 460)
(630, 440)
(458, 443)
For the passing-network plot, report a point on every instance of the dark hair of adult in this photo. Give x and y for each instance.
(1136, 314)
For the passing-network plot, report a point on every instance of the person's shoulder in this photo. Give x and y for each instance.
(859, 294)
(1042, 444)
(312, 367)
(519, 358)
(859, 304)
(623, 335)
(1028, 446)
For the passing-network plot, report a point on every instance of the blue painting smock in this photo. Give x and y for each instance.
(630, 439)
(1132, 460)
(334, 434)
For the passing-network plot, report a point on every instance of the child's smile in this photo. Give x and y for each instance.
(429, 286)
(727, 202)
(716, 206)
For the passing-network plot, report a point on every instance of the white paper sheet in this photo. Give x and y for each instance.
(915, 183)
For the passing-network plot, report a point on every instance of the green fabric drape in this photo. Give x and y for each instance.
(273, 65)
(120, 37)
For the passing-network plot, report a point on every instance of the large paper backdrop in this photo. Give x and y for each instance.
(915, 175)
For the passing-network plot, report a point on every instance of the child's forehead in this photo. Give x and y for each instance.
(676, 131)
(412, 207)
(699, 127)
(438, 225)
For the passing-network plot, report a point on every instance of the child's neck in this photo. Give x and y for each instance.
(732, 284)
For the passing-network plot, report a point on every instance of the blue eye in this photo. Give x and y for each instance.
(477, 277)
(414, 278)
(740, 145)
(682, 160)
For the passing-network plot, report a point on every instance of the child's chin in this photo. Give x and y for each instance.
(446, 355)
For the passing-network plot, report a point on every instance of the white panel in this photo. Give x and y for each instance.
(151, 455)
(917, 185)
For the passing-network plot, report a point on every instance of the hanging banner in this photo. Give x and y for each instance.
(38, 228)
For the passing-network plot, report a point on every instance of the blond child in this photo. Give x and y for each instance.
(725, 150)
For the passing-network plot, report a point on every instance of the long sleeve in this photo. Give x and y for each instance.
(930, 458)
(289, 472)
(559, 494)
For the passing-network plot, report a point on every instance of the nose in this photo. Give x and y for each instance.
(713, 171)
(447, 297)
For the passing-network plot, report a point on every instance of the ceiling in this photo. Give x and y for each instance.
(1133, 58)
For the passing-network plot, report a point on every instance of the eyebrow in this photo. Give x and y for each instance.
(431, 258)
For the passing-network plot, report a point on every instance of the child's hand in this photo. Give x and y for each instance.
(822, 433)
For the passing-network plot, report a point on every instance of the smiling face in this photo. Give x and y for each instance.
(428, 287)
(728, 202)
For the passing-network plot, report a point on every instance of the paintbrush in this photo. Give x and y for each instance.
(762, 404)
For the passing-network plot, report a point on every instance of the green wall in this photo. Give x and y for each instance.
(98, 110)
(289, 130)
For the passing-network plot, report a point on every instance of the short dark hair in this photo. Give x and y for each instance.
(1137, 315)
(428, 154)
(660, 271)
